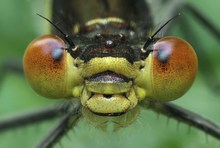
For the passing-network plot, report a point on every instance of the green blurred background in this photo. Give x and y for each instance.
(19, 25)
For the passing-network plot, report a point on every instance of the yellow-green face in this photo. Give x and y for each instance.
(112, 90)
(110, 84)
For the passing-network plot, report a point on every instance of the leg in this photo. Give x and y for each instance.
(67, 122)
(183, 115)
(40, 115)
(30, 118)
(69, 113)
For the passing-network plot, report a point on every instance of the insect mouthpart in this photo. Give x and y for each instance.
(108, 76)
(109, 104)
(108, 88)
(108, 83)
(109, 93)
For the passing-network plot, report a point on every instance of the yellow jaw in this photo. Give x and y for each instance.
(109, 94)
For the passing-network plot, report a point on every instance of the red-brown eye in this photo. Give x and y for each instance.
(45, 66)
(174, 66)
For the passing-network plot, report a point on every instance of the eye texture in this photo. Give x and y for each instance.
(174, 66)
(45, 66)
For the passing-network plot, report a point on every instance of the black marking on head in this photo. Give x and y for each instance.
(108, 46)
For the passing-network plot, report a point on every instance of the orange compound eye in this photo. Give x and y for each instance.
(174, 66)
(45, 66)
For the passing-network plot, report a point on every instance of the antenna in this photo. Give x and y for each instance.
(66, 36)
(151, 38)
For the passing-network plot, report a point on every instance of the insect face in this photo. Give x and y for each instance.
(92, 68)
(110, 72)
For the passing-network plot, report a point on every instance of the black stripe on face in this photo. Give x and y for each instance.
(109, 46)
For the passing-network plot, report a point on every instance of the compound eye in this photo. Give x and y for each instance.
(44, 65)
(174, 66)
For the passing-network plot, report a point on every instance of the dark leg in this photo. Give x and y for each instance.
(70, 112)
(183, 115)
(67, 122)
(46, 113)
